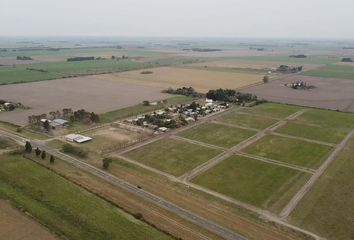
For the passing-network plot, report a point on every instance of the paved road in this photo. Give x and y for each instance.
(223, 232)
(301, 193)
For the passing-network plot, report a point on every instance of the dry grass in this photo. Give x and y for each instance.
(15, 225)
(178, 77)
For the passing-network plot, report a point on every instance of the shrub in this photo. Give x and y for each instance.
(77, 151)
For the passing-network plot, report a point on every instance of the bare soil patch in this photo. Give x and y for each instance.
(92, 93)
(15, 225)
(201, 80)
(328, 93)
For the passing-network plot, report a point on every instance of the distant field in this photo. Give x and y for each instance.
(273, 110)
(327, 209)
(201, 80)
(20, 74)
(289, 151)
(333, 71)
(218, 134)
(246, 120)
(66, 208)
(172, 156)
(251, 181)
(289, 60)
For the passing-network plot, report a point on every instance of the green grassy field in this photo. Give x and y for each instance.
(289, 150)
(250, 180)
(172, 156)
(330, 135)
(54, 70)
(289, 60)
(141, 109)
(245, 120)
(64, 207)
(332, 71)
(272, 110)
(217, 134)
(327, 209)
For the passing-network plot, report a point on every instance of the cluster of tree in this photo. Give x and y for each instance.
(68, 114)
(202, 49)
(77, 151)
(347, 59)
(37, 70)
(39, 153)
(186, 91)
(288, 69)
(23, 58)
(298, 56)
(74, 59)
(119, 58)
(3, 50)
(258, 49)
(158, 120)
(230, 95)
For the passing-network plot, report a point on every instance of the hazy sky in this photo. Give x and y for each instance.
(179, 18)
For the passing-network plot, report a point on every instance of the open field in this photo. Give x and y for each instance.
(172, 156)
(288, 150)
(250, 65)
(272, 110)
(201, 80)
(246, 120)
(251, 181)
(328, 208)
(288, 60)
(333, 71)
(323, 125)
(15, 225)
(21, 74)
(329, 93)
(66, 208)
(90, 93)
(217, 134)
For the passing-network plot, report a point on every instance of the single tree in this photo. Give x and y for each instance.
(38, 152)
(265, 79)
(146, 103)
(106, 162)
(52, 159)
(28, 147)
(43, 155)
(46, 125)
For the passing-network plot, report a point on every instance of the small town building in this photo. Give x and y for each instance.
(58, 123)
(77, 138)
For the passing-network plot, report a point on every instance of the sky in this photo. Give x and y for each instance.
(179, 18)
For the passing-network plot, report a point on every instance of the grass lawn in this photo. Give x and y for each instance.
(327, 119)
(140, 109)
(217, 134)
(245, 120)
(64, 207)
(327, 209)
(332, 71)
(273, 110)
(250, 180)
(330, 135)
(172, 156)
(288, 150)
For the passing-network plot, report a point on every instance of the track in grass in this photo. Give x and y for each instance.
(172, 156)
(252, 181)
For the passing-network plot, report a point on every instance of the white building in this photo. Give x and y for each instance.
(77, 138)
